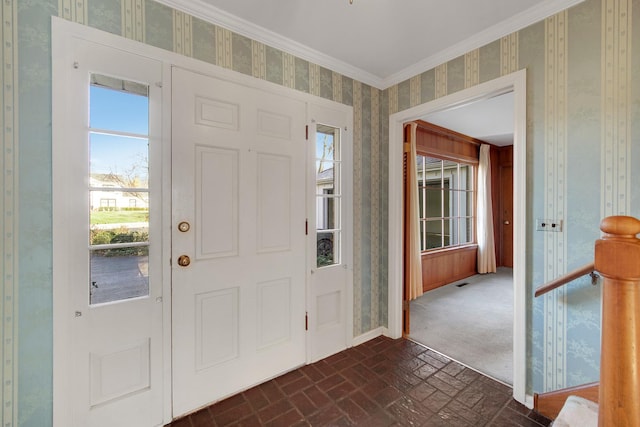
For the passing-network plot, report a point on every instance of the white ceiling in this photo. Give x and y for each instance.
(490, 120)
(378, 42)
(384, 42)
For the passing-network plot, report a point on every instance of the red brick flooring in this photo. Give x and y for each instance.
(383, 382)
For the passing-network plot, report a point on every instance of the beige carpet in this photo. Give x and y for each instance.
(472, 324)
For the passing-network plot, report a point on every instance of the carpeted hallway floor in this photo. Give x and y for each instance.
(472, 324)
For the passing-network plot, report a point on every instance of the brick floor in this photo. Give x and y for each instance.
(382, 382)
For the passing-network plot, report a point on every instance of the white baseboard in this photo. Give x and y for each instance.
(528, 401)
(367, 336)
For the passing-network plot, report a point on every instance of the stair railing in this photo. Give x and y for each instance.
(617, 259)
(563, 280)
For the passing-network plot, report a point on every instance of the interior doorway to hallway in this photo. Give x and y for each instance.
(516, 83)
(469, 318)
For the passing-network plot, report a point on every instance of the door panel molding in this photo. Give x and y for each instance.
(214, 114)
(108, 358)
(330, 295)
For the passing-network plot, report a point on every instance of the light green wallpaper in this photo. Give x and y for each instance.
(28, 243)
(582, 141)
(583, 136)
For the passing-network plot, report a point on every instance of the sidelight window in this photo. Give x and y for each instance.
(118, 189)
(328, 195)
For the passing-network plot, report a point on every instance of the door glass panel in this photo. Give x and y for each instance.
(118, 105)
(327, 209)
(328, 195)
(325, 177)
(118, 190)
(328, 248)
(118, 274)
(118, 161)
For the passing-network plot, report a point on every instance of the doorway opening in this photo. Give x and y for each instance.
(474, 325)
(516, 83)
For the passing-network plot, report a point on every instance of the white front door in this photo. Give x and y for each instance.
(238, 236)
(107, 237)
(329, 247)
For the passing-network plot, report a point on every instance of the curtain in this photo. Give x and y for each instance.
(486, 245)
(413, 255)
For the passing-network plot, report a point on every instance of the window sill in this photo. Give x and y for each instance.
(449, 249)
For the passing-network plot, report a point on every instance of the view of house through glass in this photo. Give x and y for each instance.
(328, 195)
(118, 189)
(446, 197)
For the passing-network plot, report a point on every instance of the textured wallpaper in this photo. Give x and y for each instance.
(583, 138)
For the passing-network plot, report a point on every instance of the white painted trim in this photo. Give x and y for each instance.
(528, 401)
(530, 16)
(70, 44)
(347, 200)
(216, 16)
(167, 379)
(212, 14)
(515, 82)
(61, 303)
(368, 336)
(61, 57)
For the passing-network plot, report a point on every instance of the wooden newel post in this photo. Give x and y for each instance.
(617, 258)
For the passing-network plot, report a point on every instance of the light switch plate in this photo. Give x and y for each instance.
(548, 225)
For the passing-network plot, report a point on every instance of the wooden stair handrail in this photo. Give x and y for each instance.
(562, 280)
(617, 258)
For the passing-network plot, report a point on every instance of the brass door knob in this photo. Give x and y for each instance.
(184, 226)
(184, 260)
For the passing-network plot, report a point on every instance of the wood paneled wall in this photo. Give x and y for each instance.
(441, 267)
(436, 141)
(448, 265)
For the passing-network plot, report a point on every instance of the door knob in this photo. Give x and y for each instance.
(184, 226)
(184, 260)
(506, 222)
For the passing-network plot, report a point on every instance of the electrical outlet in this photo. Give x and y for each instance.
(548, 225)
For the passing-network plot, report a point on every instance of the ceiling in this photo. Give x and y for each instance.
(489, 120)
(378, 42)
(384, 42)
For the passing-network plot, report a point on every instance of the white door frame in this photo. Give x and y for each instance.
(324, 113)
(517, 83)
(62, 32)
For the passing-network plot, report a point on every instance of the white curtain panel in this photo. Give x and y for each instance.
(486, 244)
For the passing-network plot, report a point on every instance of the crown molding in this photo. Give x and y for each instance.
(219, 17)
(528, 17)
(212, 14)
